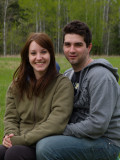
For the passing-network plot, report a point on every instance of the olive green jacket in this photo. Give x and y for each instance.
(32, 120)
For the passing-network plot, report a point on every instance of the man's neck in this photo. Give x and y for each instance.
(80, 67)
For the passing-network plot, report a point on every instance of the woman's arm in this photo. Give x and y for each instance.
(6, 141)
(11, 118)
(61, 109)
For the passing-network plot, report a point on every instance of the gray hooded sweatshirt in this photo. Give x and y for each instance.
(96, 111)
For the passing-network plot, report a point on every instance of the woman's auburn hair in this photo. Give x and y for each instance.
(24, 78)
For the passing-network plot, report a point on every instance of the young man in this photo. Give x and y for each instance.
(93, 132)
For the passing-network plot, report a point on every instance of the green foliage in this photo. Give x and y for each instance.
(25, 16)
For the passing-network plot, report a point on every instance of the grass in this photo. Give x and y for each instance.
(9, 64)
(7, 67)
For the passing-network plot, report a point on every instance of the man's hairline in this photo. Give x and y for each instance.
(76, 34)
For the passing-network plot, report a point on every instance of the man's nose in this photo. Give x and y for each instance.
(72, 48)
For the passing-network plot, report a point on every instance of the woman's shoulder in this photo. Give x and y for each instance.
(12, 89)
(63, 81)
(63, 84)
(63, 78)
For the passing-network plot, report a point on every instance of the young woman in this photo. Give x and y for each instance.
(39, 101)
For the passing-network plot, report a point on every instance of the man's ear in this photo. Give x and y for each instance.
(90, 47)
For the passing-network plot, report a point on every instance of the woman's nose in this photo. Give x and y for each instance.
(39, 56)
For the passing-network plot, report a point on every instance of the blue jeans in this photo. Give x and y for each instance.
(72, 148)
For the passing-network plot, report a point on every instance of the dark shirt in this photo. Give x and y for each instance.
(75, 81)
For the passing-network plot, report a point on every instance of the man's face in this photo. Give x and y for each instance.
(75, 51)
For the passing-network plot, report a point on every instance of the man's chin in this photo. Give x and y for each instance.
(72, 62)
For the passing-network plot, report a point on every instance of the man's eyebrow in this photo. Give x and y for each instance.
(78, 43)
(67, 42)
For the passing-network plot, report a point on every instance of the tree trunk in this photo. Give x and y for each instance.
(58, 30)
(119, 23)
(106, 28)
(108, 42)
(40, 25)
(86, 8)
(95, 18)
(4, 28)
(36, 17)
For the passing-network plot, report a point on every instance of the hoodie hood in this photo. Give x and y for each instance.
(106, 64)
(96, 62)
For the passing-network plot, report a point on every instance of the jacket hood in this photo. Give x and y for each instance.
(96, 62)
(106, 64)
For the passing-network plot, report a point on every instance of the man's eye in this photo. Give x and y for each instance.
(67, 44)
(78, 44)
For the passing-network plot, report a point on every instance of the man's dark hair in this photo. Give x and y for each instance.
(80, 28)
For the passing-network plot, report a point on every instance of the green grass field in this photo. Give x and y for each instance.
(8, 66)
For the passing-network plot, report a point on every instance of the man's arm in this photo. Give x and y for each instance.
(102, 104)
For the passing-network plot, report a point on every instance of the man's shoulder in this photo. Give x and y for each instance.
(69, 72)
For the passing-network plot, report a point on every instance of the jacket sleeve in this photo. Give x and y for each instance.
(103, 98)
(11, 118)
(61, 109)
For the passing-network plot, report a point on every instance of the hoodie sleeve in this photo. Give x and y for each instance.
(103, 97)
(11, 118)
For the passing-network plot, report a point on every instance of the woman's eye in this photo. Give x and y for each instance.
(44, 51)
(33, 53)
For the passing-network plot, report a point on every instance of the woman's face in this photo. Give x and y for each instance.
(39, 59)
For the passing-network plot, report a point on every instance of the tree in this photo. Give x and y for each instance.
(20, 17)
(4, 26)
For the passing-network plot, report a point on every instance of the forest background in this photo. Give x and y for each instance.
(20, 17)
